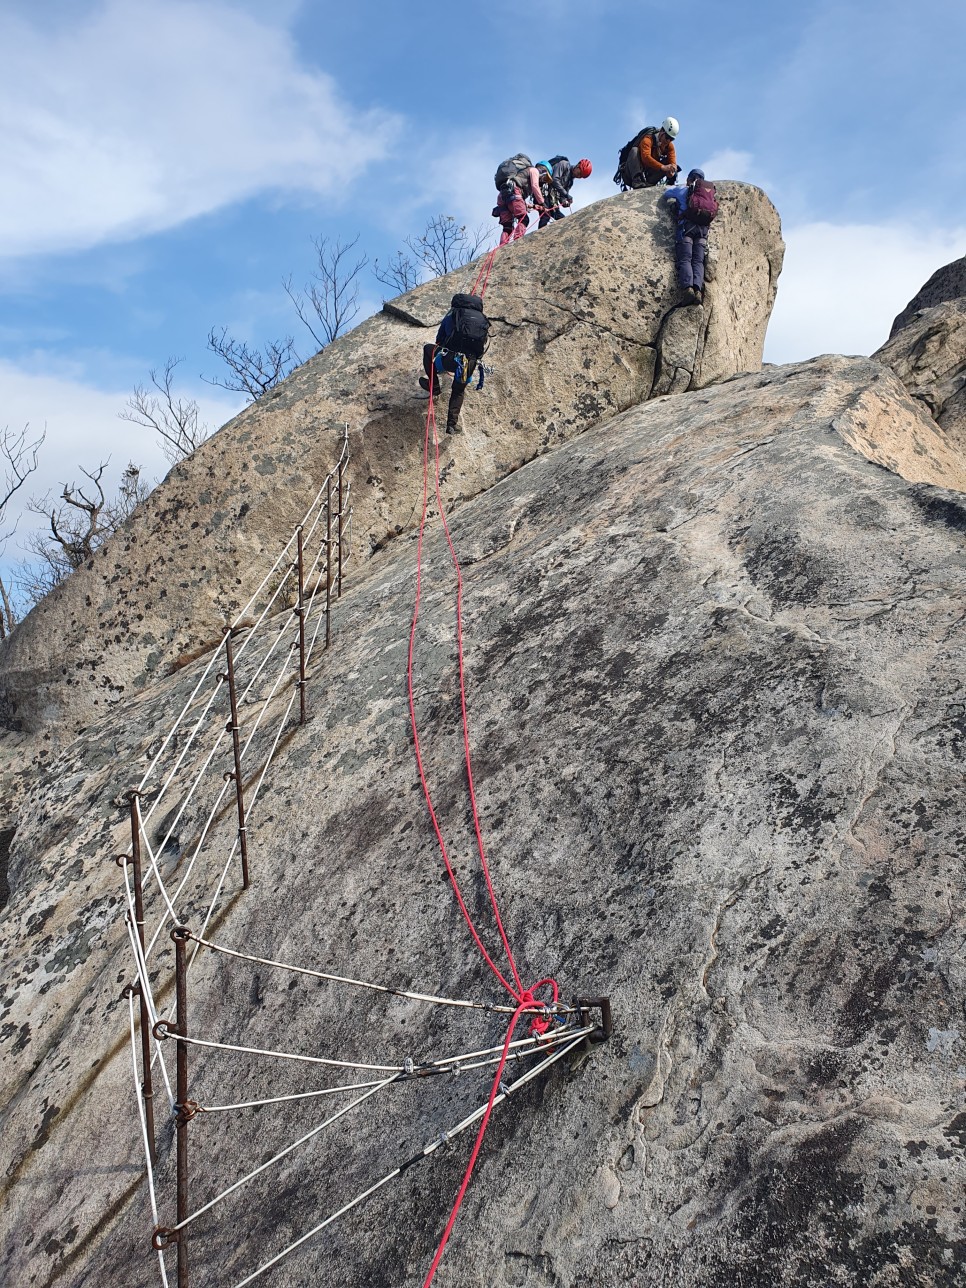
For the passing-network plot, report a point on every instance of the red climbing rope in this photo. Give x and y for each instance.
(524, 997)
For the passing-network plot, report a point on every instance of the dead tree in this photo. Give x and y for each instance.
(78, 527)
(250, 371)
(174, 420)
(329, 302)
(20, 460)
(442, 246)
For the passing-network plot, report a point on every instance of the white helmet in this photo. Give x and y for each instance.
(670, 127)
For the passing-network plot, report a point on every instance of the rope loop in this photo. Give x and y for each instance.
(163, 1237)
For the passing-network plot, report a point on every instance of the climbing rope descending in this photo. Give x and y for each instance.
(525, 998)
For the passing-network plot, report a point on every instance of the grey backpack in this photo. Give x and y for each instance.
(513, 171)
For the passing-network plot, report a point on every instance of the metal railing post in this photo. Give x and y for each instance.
(181, 935)
(147, 1084)
(300, 612)
(339, 538)
(233, 729)
(328, 561)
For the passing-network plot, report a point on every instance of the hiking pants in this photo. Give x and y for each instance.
(510, 211)
(459, 386)
(689, 253)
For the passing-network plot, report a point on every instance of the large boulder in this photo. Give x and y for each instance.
(928, 354)
(947, 283)
(717, 715)
(586, 323)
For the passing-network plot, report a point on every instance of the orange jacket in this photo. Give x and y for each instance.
(653, 156)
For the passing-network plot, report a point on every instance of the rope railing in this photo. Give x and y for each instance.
(206, 767)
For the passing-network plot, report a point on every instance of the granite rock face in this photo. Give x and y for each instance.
(587, 322)
(947, 283)
(928, 354)
(718, 708)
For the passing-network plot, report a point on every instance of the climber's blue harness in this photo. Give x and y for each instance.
(460, 374)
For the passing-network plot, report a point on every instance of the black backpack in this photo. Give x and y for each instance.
(470, 327)
(630, 172)
(513, 170)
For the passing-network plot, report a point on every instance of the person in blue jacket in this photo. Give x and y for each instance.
(691, 240)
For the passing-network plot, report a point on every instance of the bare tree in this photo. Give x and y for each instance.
(79, 525)
(332, 294)
(20, 460)
(173, 419)
(250, 371)
(445, 244)
(401, 272)
(442, 246)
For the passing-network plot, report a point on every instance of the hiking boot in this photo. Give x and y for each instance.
(452, 429)
(424, 384)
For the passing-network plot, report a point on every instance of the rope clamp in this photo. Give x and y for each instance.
(409, 1067)
(185, 1112)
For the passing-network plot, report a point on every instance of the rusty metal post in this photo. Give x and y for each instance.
(339, 546)
(300, 613)
(233, 729)
(147, 1083)
(328, 561)
(181, 935)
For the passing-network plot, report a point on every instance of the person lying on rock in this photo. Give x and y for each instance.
(694, 205)
(460, 343)
(556, 179)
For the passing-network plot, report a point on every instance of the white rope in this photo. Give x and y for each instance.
(188, 870)
(429, 1149)
(354, 983)
(277, 1100)
(144, 1137)
(287, 1150)
(289, 1055)
(420, 1073)
(189, 742)
(199, 774)
(143, 980)
(174, 728)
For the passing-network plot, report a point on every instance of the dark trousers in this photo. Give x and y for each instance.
(448, 361)
(554, 213)
(689, 253)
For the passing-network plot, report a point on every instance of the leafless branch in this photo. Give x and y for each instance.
(250, 371)
(332, 294)
(19, 453)
(401, 273)
(445, 244)
(173, 419)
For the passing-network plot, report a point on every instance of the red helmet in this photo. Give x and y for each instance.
(583, 168)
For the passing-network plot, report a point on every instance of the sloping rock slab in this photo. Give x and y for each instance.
(578, 314)
(718, 706)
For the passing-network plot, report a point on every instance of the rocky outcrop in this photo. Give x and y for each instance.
(586, 324)
(928, 354)
(947, 283)
(719, 726)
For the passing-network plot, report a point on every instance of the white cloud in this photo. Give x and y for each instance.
(141, 114)
(842, 285)
(83, 429)
(730, 164)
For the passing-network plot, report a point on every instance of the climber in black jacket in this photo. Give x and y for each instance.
(460, 342)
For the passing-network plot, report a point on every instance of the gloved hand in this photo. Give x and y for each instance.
(566, 201)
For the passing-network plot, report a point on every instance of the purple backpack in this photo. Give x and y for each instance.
(702, 203)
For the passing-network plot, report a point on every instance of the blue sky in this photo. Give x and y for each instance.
(166, 163)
